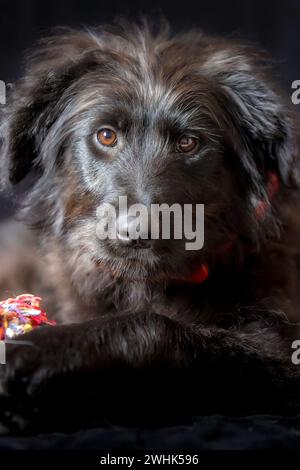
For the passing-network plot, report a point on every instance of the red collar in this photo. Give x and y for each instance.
(201, 273)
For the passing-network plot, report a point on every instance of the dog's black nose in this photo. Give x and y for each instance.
(133, 233)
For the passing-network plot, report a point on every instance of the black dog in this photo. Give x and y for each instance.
(159, 119)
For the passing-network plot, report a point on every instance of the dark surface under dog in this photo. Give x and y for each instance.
(201, 433)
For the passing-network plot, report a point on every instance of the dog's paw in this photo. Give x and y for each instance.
(31, 361)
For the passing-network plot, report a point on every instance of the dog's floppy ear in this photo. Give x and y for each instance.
(266, 136)
(32, 108)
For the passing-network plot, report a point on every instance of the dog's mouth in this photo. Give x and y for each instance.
(152, 266)
(134, 264)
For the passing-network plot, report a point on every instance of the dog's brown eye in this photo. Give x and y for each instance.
(107, 137)
(187, 144)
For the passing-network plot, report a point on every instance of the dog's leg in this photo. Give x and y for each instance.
(110, 365)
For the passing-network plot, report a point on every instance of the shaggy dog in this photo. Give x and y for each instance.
(127, 111)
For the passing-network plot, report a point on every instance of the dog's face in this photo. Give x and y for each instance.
(161, 121)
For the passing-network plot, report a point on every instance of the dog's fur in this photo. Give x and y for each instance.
(135, 308)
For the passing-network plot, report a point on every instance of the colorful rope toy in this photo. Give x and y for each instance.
(20, 315)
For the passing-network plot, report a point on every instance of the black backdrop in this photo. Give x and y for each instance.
(274, 24)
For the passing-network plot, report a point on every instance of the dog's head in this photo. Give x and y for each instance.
(159, 119)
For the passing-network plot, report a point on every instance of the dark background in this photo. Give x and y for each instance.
(274, 24)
